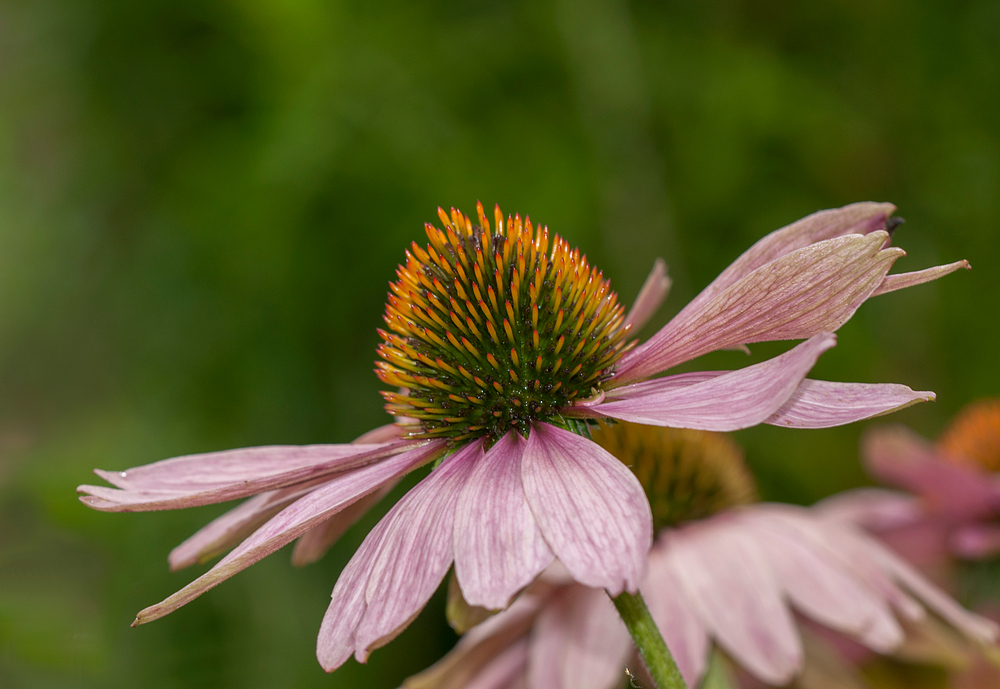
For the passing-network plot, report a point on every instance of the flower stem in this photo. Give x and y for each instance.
(647, 638)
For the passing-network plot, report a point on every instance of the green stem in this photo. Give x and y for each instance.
(647, 638)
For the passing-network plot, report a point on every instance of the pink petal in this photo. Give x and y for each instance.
(824, 404)
(811, 290)
(652, 294)
(313, 544)
(682, 630)
(735, 400)
(821, 588)
(590, 508)
(891, 283)
(857, 218)
(498, 547)
(398, 567)
(502, 670)
(902, 458)
(870, 508)
(292, 522)
(219, 476)
(579, 642)
(728, 582)
(976, 541)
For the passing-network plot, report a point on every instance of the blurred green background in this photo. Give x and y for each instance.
(201, 204)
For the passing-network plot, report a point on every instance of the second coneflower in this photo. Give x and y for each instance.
(501, 343)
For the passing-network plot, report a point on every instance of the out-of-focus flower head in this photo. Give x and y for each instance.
(502, 345)
(952, 505)
(751, 580)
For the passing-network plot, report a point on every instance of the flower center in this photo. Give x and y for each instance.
(490, 330)
(686, 474)
(973, 438)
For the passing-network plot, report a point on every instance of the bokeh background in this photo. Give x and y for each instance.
(202, 203)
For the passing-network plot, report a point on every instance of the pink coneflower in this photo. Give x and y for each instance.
(501, 342)
(952, 508)
(743, 580)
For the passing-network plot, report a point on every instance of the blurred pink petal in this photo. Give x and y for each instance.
(579, 642)
(498, 547)
(823, 404)
(398, 566)
(735, 400)
(870, 508)
(976, 541)
(652, 294)
(220, 476)
(291, 522)
(730, 585)
(806, 292)
(589, 506)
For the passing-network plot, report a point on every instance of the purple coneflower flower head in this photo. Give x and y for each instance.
(743, 578)
(952, 505)
(501, 344)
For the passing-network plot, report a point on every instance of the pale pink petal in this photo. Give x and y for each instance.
(313, 544)
(400, 564)
(870, 508)
(590, 508)
(382, 434)
(902, 458)
(824, 404)
(502, 670)
(857, 218)
(735, 400)
(728, 582)
(976, 541)
(292, 522)
(891, 283)
(498, 547)
(820, 588)
(811, 290)
(682, 629)
(578, 642)
(224, 532)
(979, 629)
(220, 476)
(652, 294)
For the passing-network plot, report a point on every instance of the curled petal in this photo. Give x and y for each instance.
(590, 508)
(891, 283)
(498, 547)
(292, 522)
(652, 294)
(808, 291)
(728, 402)
(579, 642)
(397, 568)
(220, 476)
(824, 404)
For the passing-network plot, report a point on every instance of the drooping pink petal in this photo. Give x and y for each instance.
(976, 541)
(220, 476)
(225, 531)
(313, 544)
(682, 629)
(891, 283)
(820, 588)
(824, 404)
(578, 642)
(729, 402)
(498, 546)
(728, 582)
(870, 508)
(808, 291)
(293, 521)
(652, 294)
(504, 669)
(400, 564)
(590, 508)
(902, 458)
(857, 218)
